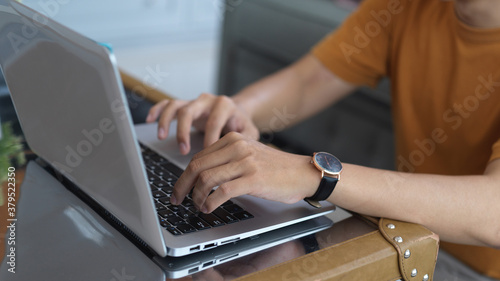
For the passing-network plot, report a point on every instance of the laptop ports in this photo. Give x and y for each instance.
(207, 264)
(194, 249)
(208, 246)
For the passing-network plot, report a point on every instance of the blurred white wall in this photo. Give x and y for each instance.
(176, 39)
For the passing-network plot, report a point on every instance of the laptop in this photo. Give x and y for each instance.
(71, 105)
(89, 247)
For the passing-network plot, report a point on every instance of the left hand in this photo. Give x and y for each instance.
(240, 165)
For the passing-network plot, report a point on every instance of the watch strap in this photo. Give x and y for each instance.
(326, 187)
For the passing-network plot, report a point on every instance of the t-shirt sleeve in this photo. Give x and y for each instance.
(495, 154)
(358, 50)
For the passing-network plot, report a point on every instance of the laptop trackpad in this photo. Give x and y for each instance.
(169, 148)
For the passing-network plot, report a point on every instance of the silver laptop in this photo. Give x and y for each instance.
(72, 108)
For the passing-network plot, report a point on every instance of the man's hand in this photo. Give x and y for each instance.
(240, 165)
(214, 115)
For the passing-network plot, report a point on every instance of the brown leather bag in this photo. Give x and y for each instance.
(396, 251)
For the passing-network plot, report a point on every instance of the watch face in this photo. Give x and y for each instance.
(328, 162)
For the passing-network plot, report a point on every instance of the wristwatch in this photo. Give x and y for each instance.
(330, 168)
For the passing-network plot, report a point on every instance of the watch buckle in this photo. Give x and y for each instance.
(313, 203)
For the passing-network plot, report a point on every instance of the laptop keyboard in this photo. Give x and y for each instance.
(183, 218)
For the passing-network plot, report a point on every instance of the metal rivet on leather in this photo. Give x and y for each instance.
(414, 272)
(398, 239)
(407, 253)
(426, 277)
(391, 226)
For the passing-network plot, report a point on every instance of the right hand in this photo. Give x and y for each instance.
(214, 115)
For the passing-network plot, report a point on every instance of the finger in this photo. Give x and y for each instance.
(221, 143)
(185, 117)
(167, 115)
(211, 178)
(251, 131)
(223, 193)
(155, 110)
(197, 165)
(221, 112)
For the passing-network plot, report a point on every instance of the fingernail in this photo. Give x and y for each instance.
(161, 133)
(173, 200)
(204, 210)
(148, 118)
(183, 148)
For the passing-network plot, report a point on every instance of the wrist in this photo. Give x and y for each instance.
(330, 168)
(313, 178)
(245, 104)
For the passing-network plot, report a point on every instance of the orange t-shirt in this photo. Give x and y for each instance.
(445, 81)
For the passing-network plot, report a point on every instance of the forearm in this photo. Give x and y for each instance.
(292, 94)
(461, 209)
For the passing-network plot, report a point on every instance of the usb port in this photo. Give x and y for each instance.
(197, 248)
(211, 245)
(208, 264)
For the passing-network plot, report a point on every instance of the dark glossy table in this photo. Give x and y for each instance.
(58, 237)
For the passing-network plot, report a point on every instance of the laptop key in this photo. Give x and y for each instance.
(228, 202)
(174, 208)
(165, 201)
(159, 194)
(160, 183)
(184, 214)
(198, 223)
(243, 215)
(186, 228)
(150, 165)
(152, 177)
(164, 223)
(161, 172)
(175, 220)
(168, 189)
(211, 219)
(224, 215)
(233, 208)
(193, 210)
(166, 213)
(170, 178)
(160, 207)
(173, 230)
(187, 202)
(172, 168)
(158, 158)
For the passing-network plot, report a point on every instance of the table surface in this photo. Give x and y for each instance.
(58, 237)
